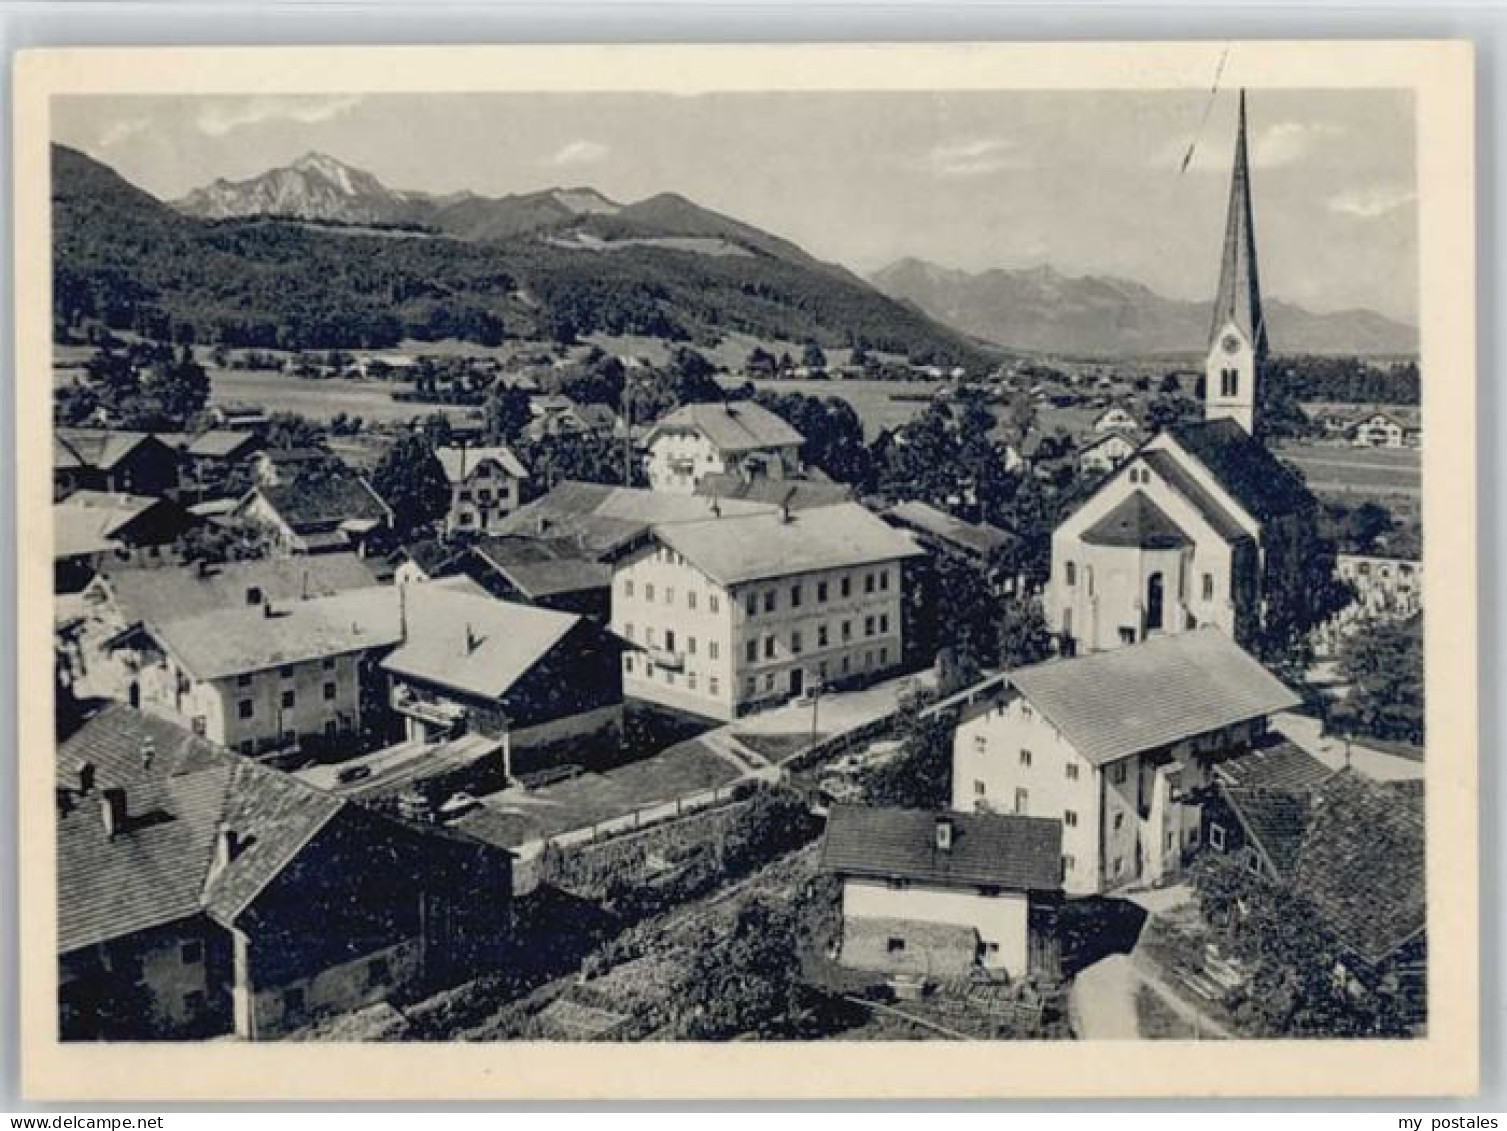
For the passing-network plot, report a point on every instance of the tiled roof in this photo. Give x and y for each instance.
(314, 500)
(461, 462)
(154, 595)
(1274, 821)
(477, 645)
(150, 873)
(115, 743)
(542, 568)
(1362, 865)
(736, 426)
(977, 538)
(797, 494)
(735, 550)
(1245, 468)
(1169, 466)
(600, 518)
(1137, 521)
(1110, 705)
(1277, 764)
(240, 639)
(988, 849)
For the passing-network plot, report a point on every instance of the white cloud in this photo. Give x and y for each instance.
(973, 158)
(1285, 142)
(1371, 203)
(219, 116)
(579, 152)
(122, 130)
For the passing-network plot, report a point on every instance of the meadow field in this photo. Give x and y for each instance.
(1369, 472)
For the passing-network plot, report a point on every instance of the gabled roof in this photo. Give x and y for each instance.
(1109, 705)
(1274, 821)
(1169, 466)
(542, 568)
(797, 494)
(115, 743)
(155, 594)
(240, 639)
(474, 644)
(753, 547)
(974, 538)
(1137, 521)
(600, 518)
(1362, 865)
(311, 501)
(89, 522)
(221, 443)
(988, 849)
(734, 426)
(150, 873)
(1245, 468)
(101, 448)
(1276, 764)
(459, 463)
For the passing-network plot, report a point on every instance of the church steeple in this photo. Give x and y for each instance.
(1237, 335)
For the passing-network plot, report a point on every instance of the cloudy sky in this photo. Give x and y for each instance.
(1087, 182)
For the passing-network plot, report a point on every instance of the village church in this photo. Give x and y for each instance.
(1202, 525)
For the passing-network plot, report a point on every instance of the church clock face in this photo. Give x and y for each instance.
(1231, 343)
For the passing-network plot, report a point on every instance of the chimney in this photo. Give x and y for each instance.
(304, 589)
(267, 609)
(148, 753)
(112, 811)
(944, 833)
(473, 641)
(83, 777)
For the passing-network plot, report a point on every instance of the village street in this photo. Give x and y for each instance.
(1103, 999)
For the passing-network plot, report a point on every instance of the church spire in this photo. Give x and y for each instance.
(1237, 335)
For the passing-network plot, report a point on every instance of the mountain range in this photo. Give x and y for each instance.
(319, 254)
(1041, 309)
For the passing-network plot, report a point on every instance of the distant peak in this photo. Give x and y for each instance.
(314, 161)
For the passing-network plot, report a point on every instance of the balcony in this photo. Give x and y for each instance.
(664, 658)
(435, 712)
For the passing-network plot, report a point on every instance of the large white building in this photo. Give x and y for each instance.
(1191, 527)
(1116, 746)
(735, 613)
(737, 437)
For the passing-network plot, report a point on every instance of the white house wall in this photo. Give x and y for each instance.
(1002, 921)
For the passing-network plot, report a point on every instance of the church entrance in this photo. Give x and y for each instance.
(1155, 602)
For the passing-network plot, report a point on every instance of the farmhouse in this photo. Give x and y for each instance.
(217, 461)
(940, 894)
(733, 614)
(93, 528)
(110, 461)
(742, 438)
(1104, 453)
(484, 486)
(940, 532)
(535, 679)
(318, 513)
(550, 573)
(1116, 746)
(202, 894)
(1351, 847)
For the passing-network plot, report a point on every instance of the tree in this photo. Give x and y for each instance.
(744, 981)
(813, 357)
(1023, 635)
(833, 432)
(1166, 410)
(1289, 957)
(287, 430)
(1383, 665)
(214, 543)
(920, 776)
(507, 414)
(760, 363)
(411, 481)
